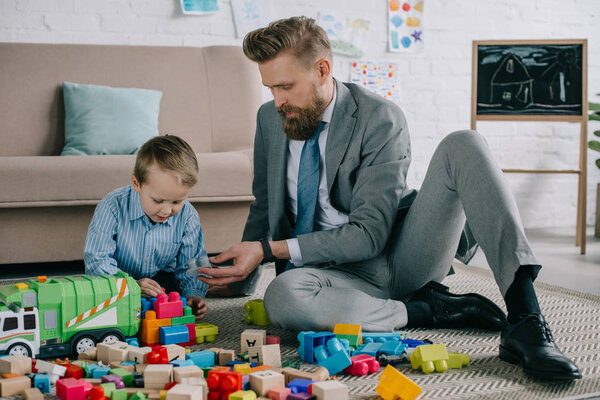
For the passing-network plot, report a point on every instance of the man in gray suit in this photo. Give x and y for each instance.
(351, 243)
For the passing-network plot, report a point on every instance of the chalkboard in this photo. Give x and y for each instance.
(536, 78)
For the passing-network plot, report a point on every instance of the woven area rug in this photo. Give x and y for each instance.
(573, 316)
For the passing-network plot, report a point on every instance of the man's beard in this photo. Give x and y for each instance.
(305, 123)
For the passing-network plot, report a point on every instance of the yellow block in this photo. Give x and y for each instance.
(347, 329)
(243, 395)
(243, 368)
(394, 385)
(430, 357)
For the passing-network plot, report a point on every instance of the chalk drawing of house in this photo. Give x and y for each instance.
(511, 84)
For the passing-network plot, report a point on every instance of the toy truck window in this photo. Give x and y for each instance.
(29, 321)
(29, 299)
(10, 324)
(50, 320)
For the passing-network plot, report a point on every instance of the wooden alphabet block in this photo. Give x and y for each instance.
(252, 338)
(330, 390)
(157, 375)
(175, 352)
(33, 394)
(263, 381)
(187, 372)
(225, 356)
(89, 354)
(15, 364)
(139, 354)
(269, 354)
(13, 386)
(185, 392)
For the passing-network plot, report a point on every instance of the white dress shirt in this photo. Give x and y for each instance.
(327, 217)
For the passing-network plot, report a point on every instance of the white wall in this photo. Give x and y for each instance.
(435, 85)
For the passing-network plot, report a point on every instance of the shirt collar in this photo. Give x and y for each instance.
(326, 117)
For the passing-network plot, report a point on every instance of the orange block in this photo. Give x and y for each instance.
(10, 375)
(260, 368)
(149, 333)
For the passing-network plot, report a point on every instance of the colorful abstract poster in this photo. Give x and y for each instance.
(405, 22)
(199, 7)
(378, 77)
(347, 35)
(250, 15)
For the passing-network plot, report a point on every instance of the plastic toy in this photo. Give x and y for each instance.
(279, 393)
(273, 339)
(362, 364)
(70, 314)
(222, 383)
(353, 333)
(301, 396)
(158, 355)
(332, 356)
(371, 349)
(393, 385)
(173, 334)
(206, 332)
(429, 358)
(457, 360)
(168, 306)
(42, 382)
(72, 389)
(255, 313)
(380, 337)
(310, 340)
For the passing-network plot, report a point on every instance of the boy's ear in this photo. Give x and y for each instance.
(136, 184)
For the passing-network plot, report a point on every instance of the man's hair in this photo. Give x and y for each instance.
(306, 40)
(170, 153)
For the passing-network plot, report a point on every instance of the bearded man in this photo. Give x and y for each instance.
(351, 243)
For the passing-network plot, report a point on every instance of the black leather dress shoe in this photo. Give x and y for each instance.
(529, 342)
(468, 310)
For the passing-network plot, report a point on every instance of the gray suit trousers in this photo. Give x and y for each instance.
(463, 182)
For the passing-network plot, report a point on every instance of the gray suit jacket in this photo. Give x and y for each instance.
(367, 159)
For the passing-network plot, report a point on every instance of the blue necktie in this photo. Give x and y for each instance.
(308, 186)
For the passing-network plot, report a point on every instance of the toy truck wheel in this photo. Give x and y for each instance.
(83, 344)
(19, 349)
(111, 338)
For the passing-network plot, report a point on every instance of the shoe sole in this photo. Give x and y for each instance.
(510, 357)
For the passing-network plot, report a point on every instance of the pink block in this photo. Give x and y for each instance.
(279, 393)
(168, 307)
(273, 339)
(72, 389)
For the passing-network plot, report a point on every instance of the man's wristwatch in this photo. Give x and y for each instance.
(267, 253)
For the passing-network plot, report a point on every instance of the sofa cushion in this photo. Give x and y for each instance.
(107, 120)
(54, 180)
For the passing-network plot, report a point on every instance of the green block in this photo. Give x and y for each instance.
(244, 356)
(123, 373)
(292, 363)
(187, 318)
(119, 394)
(206, 370)
(108, 387)
(138, 396)
(353, 339)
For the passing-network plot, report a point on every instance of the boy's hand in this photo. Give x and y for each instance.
(198, 305)
(149, 287)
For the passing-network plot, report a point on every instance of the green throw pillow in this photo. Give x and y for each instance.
(106, 120)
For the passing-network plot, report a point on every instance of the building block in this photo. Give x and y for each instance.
(226, 356)
(206, 332)
(149, 330)
(351, 332)
(132, 341)
(430, 357)
(139, 354)
(168, 306)
(125, 375)
(33, 394)
(457, 360)
(187, 317)
(182, 363)
(371, 349)
(268, 354)
(301, 396)
(138, 395)
(252, 338)
(191, 334)
(119, 394)
(13, 386)
(102, 350)
(310, 340)
(175, 352)
(299, 385)
(414, 342)
(72, 389)
(380, 337)
(115, 380)
(244, 368)
(42, 382)
(74, 371)
(157, 375)
(117, 352)
(223, 383)
(332, 356)
(15, 364)
(394, 385)
(173, 334)
(362, 364)
(255, 313)
(203, 358)
(158, 355)
(392, 347)
(329, 390)
(187, 372)
(320, 374)
(109, 387)
(243, 395)
(185, 392)
(98, 372)
(263, 381)
(45, 367)
(279, 393)
(273, 339)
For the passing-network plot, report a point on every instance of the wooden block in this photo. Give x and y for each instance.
(175, 352)
(225, 356)
(187, 372)
(13, 386)
(102, 350)
(33, 394)
(261, 382)
(118, 352)
(330, 390)
(185, 392)
(45, 367)
(89, 354)
(139, 354)
(117, 364)
(157, 375)
(140, 367)
(15, 364)
(290, 374)
(195, 381)
(150, 393)
(252, 338)
(81, 363)
(269, 354)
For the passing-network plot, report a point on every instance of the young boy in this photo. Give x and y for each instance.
(149, 229)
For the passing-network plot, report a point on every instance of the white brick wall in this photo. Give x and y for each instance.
(435, 85)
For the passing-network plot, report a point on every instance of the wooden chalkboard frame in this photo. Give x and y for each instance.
(581, 171)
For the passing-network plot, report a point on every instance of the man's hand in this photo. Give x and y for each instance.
(149, 287)
(198, 305)
(246, 257)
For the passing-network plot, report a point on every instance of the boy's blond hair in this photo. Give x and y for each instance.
(170, 153)
(306, 40)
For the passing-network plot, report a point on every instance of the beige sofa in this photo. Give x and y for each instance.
(210, 98)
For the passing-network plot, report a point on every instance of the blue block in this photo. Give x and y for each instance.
(300, 385)
(380, 337)
(132, 341)
(246, 382)
(99, 372)
(180, 363)
(309, 341)
(128, 363)
(173, 334)
(42, 382)
(332, 356)
(146, 306)
(392, 347)
(202, 358)
(371, 349)
(414, 342)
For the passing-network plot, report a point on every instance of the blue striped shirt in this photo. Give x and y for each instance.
(121, 237)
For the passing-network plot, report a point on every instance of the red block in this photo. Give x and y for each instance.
(273, 339)
(158, 355)
(362, 364)
(168, 307)
(97, 393)
(192, 332)
(74, 371)
(222, 383)
(72, 389)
